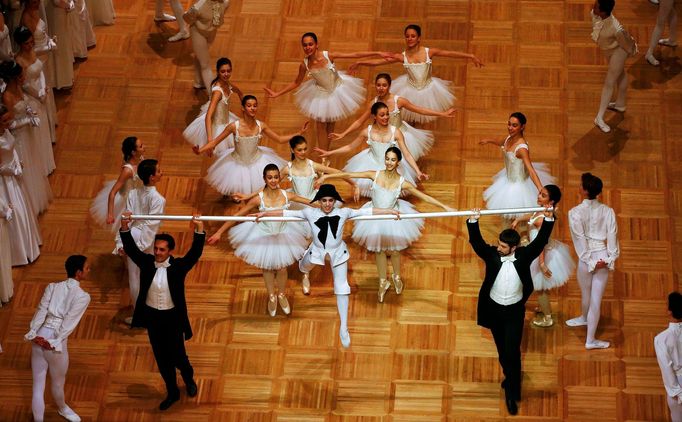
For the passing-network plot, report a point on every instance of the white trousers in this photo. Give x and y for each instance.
(592, 286)
(339, 273)
(42, 361)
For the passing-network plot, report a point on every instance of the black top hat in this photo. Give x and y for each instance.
(327, 190)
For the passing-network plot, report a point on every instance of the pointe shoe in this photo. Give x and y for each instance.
(576, 322)
(164, 18)
(284, 303)
(602, 125)
(67, 413)
(398, 284)
(544, 322)
(614, 107)
(182, 35)
(384, 285)
(667, 42)
(597, 344)
(344, 335)
(652, 60)
(272, 305)
(305, 284)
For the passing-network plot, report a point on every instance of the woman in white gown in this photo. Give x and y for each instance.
(110, 202)
(555, 265)
(101, 12)
(6, 282)
(80, 27)
(271, 246)
(25, 131)
(388, 237)
(518, 183)
(24, 234)
(58, 23)
(239, 168)
(214, 119)
(379, 136)
(417, 85)
(5, 41)
(419, 141)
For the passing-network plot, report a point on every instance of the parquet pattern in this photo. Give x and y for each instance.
(419, 356)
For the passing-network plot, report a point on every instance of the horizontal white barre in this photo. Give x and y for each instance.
(364, 217)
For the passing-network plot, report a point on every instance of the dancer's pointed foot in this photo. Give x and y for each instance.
(602, 125)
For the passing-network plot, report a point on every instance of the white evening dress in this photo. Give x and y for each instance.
(100, 204)
(80, 27)
(34, 85)
(41, 40)
(58, 26)
(195, 133)
(101, 12)
(557, 258)
(6, 282)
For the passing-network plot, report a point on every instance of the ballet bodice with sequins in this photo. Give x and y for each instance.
(516, 169)
(385, 198)
(221, 115)
(326, 78)
(273, 227)
(378, 148)
(303, 185)
(132, 182)
(394, 118)
(418, 74)
(246, 147)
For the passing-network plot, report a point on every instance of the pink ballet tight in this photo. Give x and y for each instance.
(666, 13)
(42, 361)
(382, 262)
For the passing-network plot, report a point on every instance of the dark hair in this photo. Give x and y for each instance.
(311, 35)
(220, 63)
(22, 34)
(592, 184)
(396, 151)
(3, 109)
(377, 106)
(146, 169)
(128, 147)
(417, 29)
(270, 167)
(675, 304)
(511, 237)
(554, 193)
(246, 98)
(296, 141)
(519, 116)
(166, 238)
(73, 264)
(606, 6)
(383, 76)
(10, 70)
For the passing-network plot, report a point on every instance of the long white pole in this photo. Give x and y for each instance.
(364, 217)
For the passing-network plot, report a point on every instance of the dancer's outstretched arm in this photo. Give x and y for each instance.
(424, 197)
(282, 139)
(433, 52)
(244, 210)
(291, 86)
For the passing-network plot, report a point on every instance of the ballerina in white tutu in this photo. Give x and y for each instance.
(329, 95)
(419, 141)
(518, 184)
(110, 202)
(379, 136)
(383, 237)
(215, 115)
(269, 245)
(239, 168)
(417, 85)
(555, 265)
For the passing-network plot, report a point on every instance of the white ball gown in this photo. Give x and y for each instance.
(372, 158)
(58, 26)
(101, 12)
(240, 169)
(100, 205)
(557, 258)
(41, 48)
(80, 27)
(329, 95)
(422, 89)
(5, 45)
(35, 85)
(195, 133)
(418, 141)
(512, 186)
(387, 235)
(6, 282)
(269, 245)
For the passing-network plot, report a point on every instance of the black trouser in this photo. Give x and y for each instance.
(168, 343)
(507, 332)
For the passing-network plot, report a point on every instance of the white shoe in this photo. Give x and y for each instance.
(597, 344)
(164, 18)
(654, 2)
(667, 42)
(345, 338)
(652, 60)
(284, 303)
(305, 284)
(128, 320)
(576, 322)
(272, 305)
(67, 413)
(384, 285)
(602, 125)
(398, 284)
(179, 36)
(614, 107)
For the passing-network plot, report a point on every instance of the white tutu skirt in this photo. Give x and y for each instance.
(195, 132)
(506, 194)
(559, 261)
(388, 235)
(436, 96)
(99, 207)
(363, 161)
(229, 175)
(418, 141)
(268, 251)
(324, 106)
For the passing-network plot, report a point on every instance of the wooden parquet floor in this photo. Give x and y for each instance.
(419, 356)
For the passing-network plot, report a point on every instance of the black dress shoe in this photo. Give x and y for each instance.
(192, 389)
(169, 402)
(512, 407)
(503, 384)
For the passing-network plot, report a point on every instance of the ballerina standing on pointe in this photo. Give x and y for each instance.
(388, 237)
(329, 95)
(518, 183)
(239, 168)
(379, 136)
(417, 85)
(110, 202)
(269, 245)
(217, 115)
(419, 141)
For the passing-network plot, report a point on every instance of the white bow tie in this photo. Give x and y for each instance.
(164, 264)
(508, 258)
